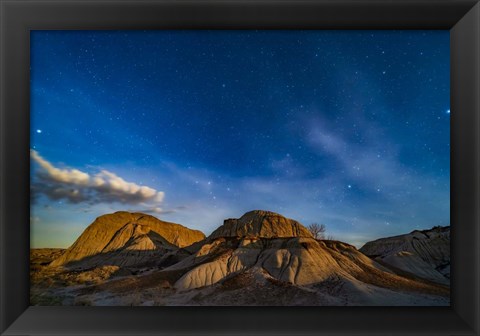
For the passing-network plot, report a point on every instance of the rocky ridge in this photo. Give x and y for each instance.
(423, 253)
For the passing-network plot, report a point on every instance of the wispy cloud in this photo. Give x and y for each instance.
(76, 186)
(155, 211)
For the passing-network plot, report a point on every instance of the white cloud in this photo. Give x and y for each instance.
(114, 188)
(73, 176)
(76, 186)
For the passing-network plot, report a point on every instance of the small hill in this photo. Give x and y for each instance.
(125, 239)
(425, 253)
(261, 224)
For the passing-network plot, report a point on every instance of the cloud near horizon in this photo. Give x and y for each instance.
(76, 186)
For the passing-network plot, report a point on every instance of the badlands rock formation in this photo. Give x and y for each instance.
(261, 224)
(261, 258)
(424, 253)
(282, 249)
(125, 239)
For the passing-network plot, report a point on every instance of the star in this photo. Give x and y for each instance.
(282, 133)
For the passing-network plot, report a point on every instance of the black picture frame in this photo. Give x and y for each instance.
(18, 17)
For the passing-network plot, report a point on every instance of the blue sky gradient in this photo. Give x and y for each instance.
(346, 128)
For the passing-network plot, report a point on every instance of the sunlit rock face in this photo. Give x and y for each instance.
(261, 224)
(424, 253)
(126, 239)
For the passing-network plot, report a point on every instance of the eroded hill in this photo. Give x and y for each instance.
(126, 239)
(261, 258)
(425, 254)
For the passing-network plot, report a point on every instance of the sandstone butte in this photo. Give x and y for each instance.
(261, 224)
(271, 245)
(125, 238)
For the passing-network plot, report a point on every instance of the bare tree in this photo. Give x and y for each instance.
(317, 230)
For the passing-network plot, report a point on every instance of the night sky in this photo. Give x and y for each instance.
(345, 128)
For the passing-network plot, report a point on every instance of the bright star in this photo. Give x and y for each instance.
(39, 131)
(349, 186)
(448, 111)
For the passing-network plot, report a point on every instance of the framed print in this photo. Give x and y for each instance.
(287, 165)
(189, 142)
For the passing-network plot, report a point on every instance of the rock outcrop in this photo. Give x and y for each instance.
(425, 254)
(125, 239)
(261, 224)
(284, 250)
(262, 258)
(298, 260)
